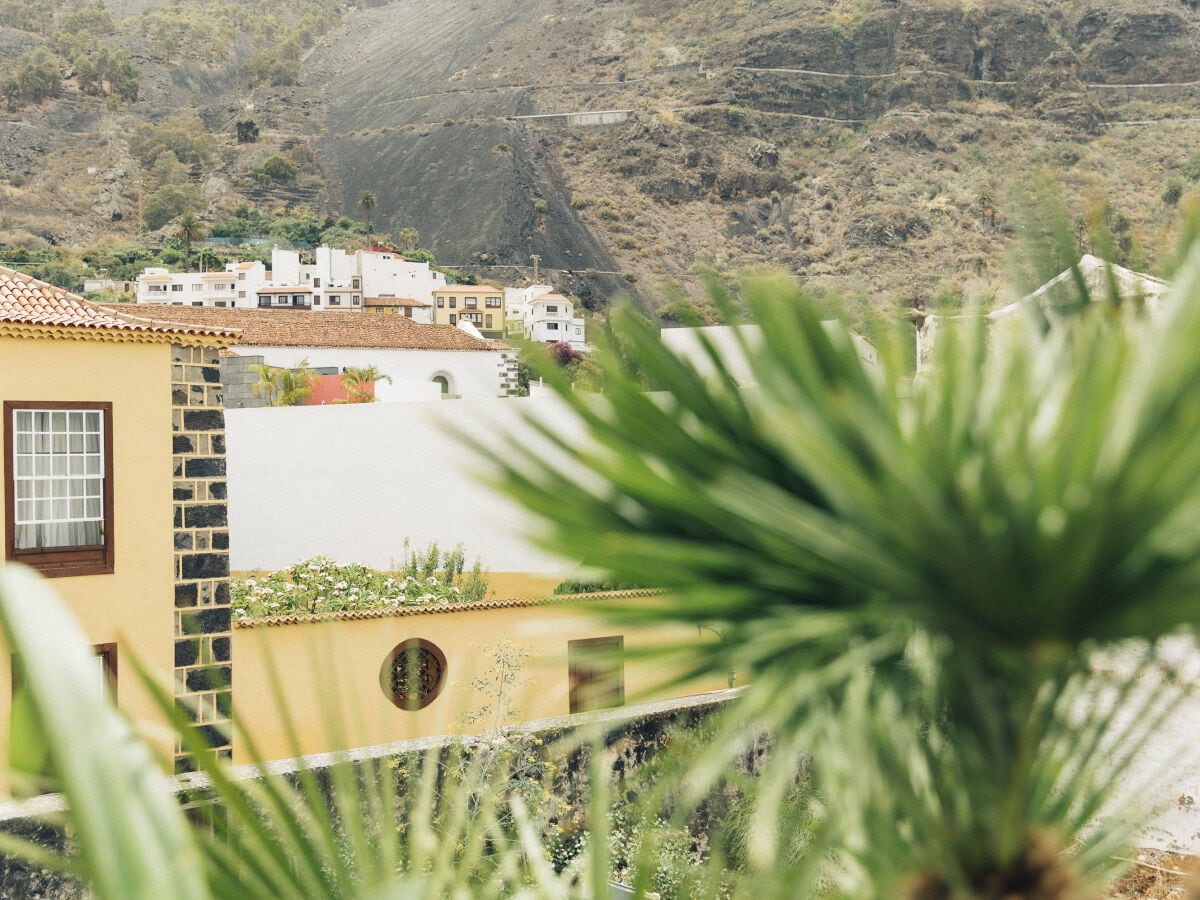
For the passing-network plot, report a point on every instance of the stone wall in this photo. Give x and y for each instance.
(203, 648)
(508, 374)
(238, 380)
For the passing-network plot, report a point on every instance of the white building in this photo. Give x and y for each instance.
(539, 314)
(339, 280)
(424, 362)
(237, 285)
(1099, 276)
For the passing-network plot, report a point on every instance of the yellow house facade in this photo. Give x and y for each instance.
(107, 423)
(369, 677)
(480, 304)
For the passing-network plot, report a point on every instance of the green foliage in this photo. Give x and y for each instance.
(594, 587)
(27, 15)
(359, 383)
(320, 585)
(170, 201)
(184, 135)
(247, 131)
(284, 387)
(1191, 168)
(937, 564)
(37, 78)
(277, 168)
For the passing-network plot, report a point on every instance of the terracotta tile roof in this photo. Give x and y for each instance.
(25, 301)
(468, 289)
(444, 606)
(302, 328)
(392, 301)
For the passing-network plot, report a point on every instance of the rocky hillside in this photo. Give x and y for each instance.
(868, 146)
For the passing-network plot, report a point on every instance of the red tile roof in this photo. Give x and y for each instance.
(392, 301)
(302, 328)
(25, 301)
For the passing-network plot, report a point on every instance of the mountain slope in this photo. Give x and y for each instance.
(865, 145)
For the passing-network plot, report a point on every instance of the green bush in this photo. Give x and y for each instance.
(320, 585)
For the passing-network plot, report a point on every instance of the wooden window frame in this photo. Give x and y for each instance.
(577, 667)
(59, 562)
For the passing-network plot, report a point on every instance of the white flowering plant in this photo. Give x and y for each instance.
(322, 585)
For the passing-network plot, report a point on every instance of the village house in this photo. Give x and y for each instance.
(114, 486)
(537, 313)
(337, 281)
(480, 305)
(424, 362)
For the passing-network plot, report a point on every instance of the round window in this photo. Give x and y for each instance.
(413, 673)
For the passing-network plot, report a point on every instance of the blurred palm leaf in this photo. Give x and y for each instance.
(970, 542)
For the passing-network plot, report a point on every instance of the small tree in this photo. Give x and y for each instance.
(190, 230)
(359, 383)
(247, 131)
(368, 201)
(278, 169)
(408, 237)
(284, 387)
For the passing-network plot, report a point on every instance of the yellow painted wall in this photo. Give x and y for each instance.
(335, 666)
(134, 605)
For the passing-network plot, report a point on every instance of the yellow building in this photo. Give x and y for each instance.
(114, 486)
(480, 304)
(366, 677)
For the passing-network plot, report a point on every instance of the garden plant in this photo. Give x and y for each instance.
(958, 601)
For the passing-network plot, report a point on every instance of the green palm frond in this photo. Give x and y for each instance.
(1026, 504)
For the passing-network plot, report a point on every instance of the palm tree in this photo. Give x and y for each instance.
(409, 237)
(925, 584)
(283, 386)
(368, 202)
(359, 383)
(190, 230)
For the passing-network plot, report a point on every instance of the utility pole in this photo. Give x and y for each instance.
(536, 259)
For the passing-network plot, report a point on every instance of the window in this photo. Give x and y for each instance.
(281, 300)
(241, 276)
(413, 674)
(157, 288)
(241, 294)
(356, 283)
(552, 310)
(596, 673)
(58, 497)
(355, 300)
(491, 302)
(316, 282)
(552, 326)
(197, 303)
(489, 320)
(471, 303)
(221, 303)
(453, 319)
(177, 287)
(317, 300)
(197, 287)
(475, 317)
(441, 302)
(453, 302)
(335, 300)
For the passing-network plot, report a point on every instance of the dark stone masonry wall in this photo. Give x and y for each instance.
(508, 373)
(203, 662)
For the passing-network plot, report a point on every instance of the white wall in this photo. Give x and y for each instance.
(473, 374)
(292, 494)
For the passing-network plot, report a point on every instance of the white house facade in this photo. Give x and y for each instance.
(424, 362)
(338, 281)
(537, 313)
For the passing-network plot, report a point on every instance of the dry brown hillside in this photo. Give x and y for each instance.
(865, 145)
